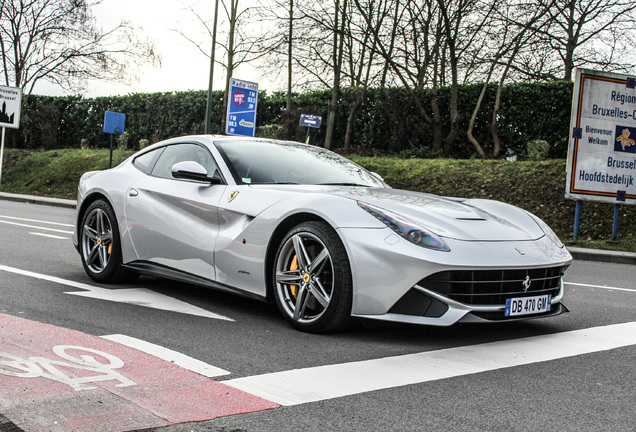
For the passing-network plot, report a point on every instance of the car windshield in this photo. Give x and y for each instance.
(260, 162)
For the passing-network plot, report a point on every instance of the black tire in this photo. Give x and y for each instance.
(100, 244)
(312, 279)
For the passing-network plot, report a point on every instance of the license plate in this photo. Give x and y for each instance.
(528, 305)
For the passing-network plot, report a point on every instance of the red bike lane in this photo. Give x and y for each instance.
(56, 379)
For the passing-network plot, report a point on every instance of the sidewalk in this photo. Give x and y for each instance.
(577, 253)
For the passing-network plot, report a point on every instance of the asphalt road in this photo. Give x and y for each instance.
(544, 384)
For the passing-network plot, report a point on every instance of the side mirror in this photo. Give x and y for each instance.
(191, 170)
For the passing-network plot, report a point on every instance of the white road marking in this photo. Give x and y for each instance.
(36, 227)
(49, 236)
(314, 384)
(34, 367)
(36, 220)
(136, 296)
(163, 353)
(599, 286)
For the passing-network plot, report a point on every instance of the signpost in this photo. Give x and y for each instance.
(602, 150)
(114, 123)
(310, 121)
(241, 108)
(10, 105)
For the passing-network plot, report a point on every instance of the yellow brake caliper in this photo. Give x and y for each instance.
(294, 266)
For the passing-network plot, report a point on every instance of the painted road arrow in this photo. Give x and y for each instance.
(136, 296)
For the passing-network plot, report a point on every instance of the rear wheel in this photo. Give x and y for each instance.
(100, 245)
(313, 284)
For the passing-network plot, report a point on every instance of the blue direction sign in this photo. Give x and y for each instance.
(310, 120)
(114, 122)
(241, 109)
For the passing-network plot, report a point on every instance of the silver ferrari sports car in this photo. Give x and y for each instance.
(325, 239)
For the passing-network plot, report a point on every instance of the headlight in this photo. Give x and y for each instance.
(547, 230)
(407, 229)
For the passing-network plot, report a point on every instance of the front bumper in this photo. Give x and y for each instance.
(423, 306)
(387, 269)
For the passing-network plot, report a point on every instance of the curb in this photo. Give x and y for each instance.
(576, 252)
(616, 257)
(56, 202)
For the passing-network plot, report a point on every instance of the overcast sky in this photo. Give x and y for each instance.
(182, 67)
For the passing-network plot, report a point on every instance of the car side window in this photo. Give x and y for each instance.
(181, 153)
(146, 161)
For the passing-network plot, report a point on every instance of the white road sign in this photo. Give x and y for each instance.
(10, 104)
(602, 151)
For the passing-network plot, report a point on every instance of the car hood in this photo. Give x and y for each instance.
(462, 219)
(457, 218)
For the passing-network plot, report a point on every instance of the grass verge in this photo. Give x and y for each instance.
(538, 187)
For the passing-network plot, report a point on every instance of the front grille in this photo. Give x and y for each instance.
(493, 287)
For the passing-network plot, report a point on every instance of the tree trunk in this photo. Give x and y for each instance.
(435, 121)
(338, 48)
(471, 138)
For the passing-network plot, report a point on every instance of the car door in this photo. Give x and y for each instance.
(174, 222)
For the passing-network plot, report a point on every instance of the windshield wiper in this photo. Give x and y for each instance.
(277, 183)
(342, 184)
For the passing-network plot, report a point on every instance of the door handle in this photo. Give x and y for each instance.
(133, 192)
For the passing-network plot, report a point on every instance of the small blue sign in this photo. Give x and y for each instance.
(114, 123)
(309, 120)
(241, 109)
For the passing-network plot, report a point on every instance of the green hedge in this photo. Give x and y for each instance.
(387, 123)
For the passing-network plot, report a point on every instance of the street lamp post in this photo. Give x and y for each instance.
(209, 103)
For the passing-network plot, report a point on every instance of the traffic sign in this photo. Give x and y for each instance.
(10, 104)
(241, 108)
(114, 122)
(602, 151)
(310, 120)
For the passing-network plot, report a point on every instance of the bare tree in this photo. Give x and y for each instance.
(506, 34)
(361, 54)
(593, 33)
(239, 47)
(58, 41)
(409, 40)
(454, 13)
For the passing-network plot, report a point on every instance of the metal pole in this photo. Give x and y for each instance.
(577, 221)
(110, 162)
(1, 154)
(615, 223)
(208, 107)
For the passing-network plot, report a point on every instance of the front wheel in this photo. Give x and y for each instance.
(313, 284)
(100, 245)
